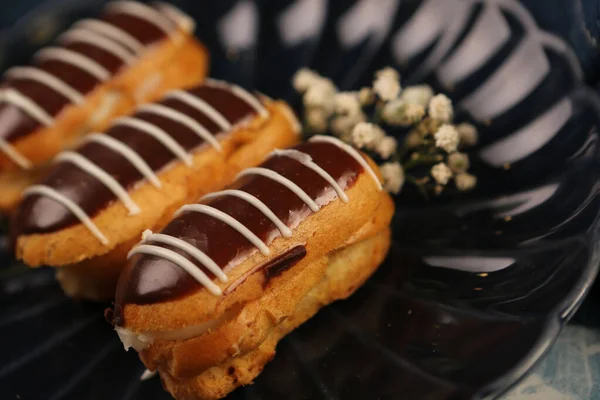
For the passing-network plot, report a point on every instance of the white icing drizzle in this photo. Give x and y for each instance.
(196, 253)
(148, 375)
(142, 11)
(220, 215)
(70, 205)
(111, 183)
(267, 173)
(131, 156)
(98, 40)
(240, 92)
(12, 153)
(182, 20)
(158, 134)
(112, 32)
(350, 150)
(79, 60)
(306, 160)
(28, 106)
(183, 119)
(201, 106)
(179, 261)
(262, 207)
(49, 80)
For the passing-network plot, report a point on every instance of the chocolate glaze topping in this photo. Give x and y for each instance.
(39, 214)
(16, 123)
(150, 279)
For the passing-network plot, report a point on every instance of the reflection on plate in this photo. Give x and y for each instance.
(474, 291)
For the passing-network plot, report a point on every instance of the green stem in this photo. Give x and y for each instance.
(421, 161)
(419, 186)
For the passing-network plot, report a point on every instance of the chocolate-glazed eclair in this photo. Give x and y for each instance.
(205, 301)
(96, 201)
(97, 70)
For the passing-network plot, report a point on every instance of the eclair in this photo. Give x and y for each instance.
(97, 70)
(206, 300)
(97, 200)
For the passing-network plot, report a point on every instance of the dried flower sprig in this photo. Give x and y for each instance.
(428, 155)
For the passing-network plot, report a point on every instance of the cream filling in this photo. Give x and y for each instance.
(142, 340)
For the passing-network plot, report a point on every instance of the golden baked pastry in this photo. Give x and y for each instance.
(205, 301)
(96, 201)
(97, 70)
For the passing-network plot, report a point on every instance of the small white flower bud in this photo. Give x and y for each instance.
(458, 162)
(367, 135)
(441, 173)
(440, 108)
(419, 94)
(465, 182)
(386, 147)
(393, 177)
(467, 134)
(304, 78)
(447, 138)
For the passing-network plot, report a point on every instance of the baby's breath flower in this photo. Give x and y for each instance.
(465, 182)
(316, 119)
(388, 72)
(366, 96)
(441, 173)
(446, 138)
(393, 177)
(458, 162)
(343, 125)
(396, 112)
(387, 84)
(347, 103)
(467, 134)
(305, 78)
(320, 95)
(440, 108)
(413, 139)
(386, 147)
(367, 135)
(419, 94)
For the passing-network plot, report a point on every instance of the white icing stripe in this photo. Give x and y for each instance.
(28, 106)
(267, 173)
(142, 11)
(183, 119)
(350, 150)
(240, 92)
(157, 133)
(12, 153)
(193, 251)
(262, 207)
(68, 204)
(306, 160)
(131, 156)
(113, 32)
(221, 216)
(79, 60)
(97, 40)
(43, 77)
(98, 173)
(179, 261)
(201, 106)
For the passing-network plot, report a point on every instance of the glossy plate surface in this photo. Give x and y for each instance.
(476, 288)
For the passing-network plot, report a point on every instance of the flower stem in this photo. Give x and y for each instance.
(421, 160)
(419, 186)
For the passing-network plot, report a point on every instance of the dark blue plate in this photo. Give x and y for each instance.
(475, 289)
